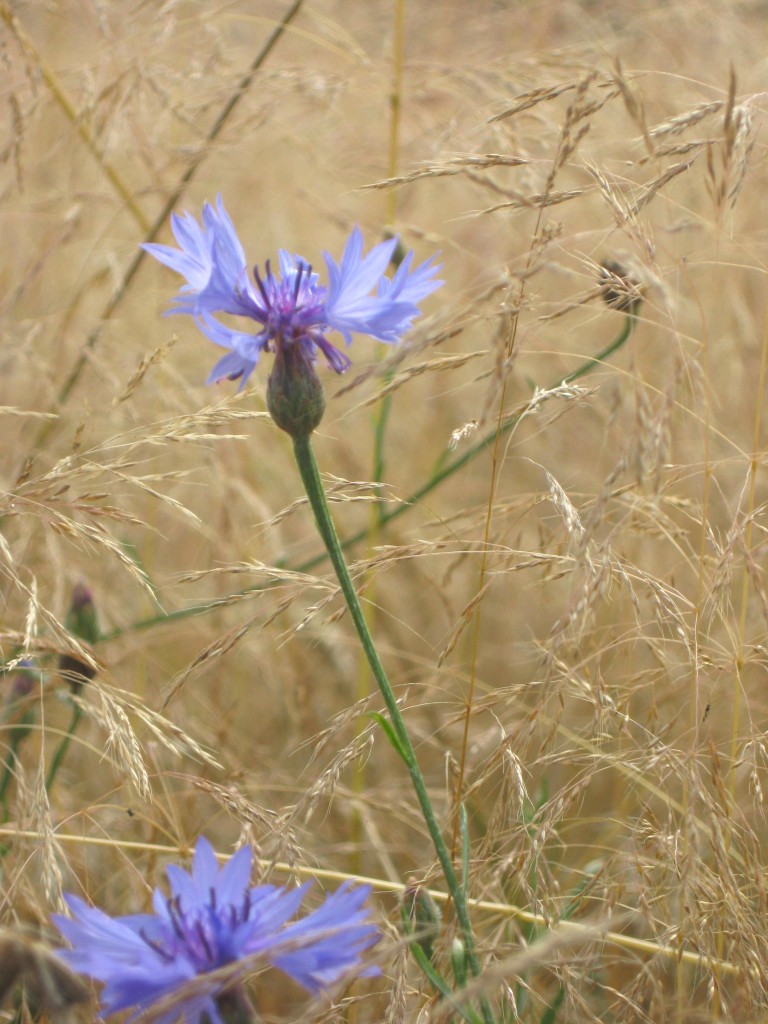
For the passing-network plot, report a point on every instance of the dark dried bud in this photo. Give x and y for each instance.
(620, 287)
(81, 622)
(50, 985)
(295, 396)
(18, 711)
(23, 681)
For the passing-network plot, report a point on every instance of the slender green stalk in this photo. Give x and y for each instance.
(17, 714)
(61, 750)
(380, 430)
(310, 475)
(235, 1007)
(17, 737)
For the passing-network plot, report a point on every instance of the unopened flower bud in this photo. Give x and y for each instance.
(23, 681)
(295, 396)
(459, 962)
(18, 712)
(424, 916)
(81, 622)
(50, 985)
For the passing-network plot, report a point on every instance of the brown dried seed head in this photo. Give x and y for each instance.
(49, 982)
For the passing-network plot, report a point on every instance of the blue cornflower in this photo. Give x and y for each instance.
(213, 919)
(291, 308)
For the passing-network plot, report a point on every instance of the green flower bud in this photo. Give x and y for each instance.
(424, 917)
(459, 962)
(295, 396)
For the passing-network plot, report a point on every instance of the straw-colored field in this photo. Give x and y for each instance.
(573, 611)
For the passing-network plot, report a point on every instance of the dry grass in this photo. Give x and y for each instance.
(575, 621)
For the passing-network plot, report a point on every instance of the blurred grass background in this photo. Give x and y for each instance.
(614, 757)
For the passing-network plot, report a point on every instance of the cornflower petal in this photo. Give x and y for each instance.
(228, 289)
(193, 260)
(388, 314)
(234, 878)
(355, 277)
(205, 869)
(212, 259)
(231, 367)
(350, 307)
(246, 349)
(116, 951)
(96, 938)
(329, 940)
(411, 285)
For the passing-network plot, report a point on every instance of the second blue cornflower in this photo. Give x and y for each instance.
(170, 962)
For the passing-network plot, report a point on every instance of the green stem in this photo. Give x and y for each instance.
(61, 750)
(601, 356)
(313, 484)
(17, 737)
(378, 450)
(235, 1007)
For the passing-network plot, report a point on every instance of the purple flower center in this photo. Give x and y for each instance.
(293, 305)
(205, 935)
